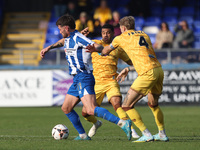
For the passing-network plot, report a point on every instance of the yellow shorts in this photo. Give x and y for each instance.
(110, 89)
(150, 82)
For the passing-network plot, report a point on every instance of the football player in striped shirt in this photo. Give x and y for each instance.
(83, 82)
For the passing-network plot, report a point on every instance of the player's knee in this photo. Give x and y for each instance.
(127, 108)
(153, 104)
(116, 106)
(65, 109)
(90, 111)
(84, 114)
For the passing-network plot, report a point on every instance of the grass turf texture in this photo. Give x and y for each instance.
(30, 129)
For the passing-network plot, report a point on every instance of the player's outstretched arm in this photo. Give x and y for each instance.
(94, 48)
(85, 31)
(60, 43)
(122, 75)
(106, 50)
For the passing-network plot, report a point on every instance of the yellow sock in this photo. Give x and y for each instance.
(135, 117)
(159, 118)
(91, 119)
(122, 115)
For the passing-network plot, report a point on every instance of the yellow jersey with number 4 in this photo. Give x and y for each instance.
(105, 67)
(138, 47)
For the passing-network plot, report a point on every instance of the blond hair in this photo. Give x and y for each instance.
(128, 22)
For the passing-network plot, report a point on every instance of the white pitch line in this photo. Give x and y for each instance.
(24, 136)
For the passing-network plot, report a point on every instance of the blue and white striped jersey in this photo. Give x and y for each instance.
(76, 55)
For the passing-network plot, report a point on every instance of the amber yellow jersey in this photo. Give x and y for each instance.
(138, 47)
(105, 67)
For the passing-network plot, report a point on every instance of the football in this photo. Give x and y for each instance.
(60, 131)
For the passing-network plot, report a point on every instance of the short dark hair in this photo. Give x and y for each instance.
(108, 26)
(66, 20)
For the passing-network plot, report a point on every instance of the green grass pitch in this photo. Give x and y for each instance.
(30, 129)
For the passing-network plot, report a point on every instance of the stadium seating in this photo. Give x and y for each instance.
(152, 21)
(152, 37)
(189, 20)
(156, 11)
(187, 11)
(139, 23)
(170, 20)
(196, 26)
(170, 11)
(23, 33)
(123, 11)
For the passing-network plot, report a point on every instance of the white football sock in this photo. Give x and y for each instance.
(121, 123)
(162, 133)
(83, 136)
(146, 133)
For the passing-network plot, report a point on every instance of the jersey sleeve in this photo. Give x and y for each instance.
(84, 41)
(123, 55)
(115, 43)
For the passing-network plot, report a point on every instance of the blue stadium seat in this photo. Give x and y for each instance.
(197, 36)
(139, 20)
(187, 11)
(123, 11)
(51, 38)
(152, 37)
(197, 45)
(156, 11)
(53, 30)
(196, 26)
(139, 23)
(171, 20)
(152, 21)
(170, 11)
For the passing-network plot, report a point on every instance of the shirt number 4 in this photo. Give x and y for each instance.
(143, 42)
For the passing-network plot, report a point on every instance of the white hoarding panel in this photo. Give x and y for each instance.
(25, 88)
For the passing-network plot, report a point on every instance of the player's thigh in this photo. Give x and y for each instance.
(100, 93)
(144, 83)
(69, 103)
(113, 90)
(158, 86)
(156, 91)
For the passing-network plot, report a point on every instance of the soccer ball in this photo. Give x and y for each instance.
(60, 131)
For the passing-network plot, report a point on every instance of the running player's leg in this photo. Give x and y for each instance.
(92, 109)
(88, 98)
(67, 107)
(139, 88)
(130, 100)
(159, 118)
(153, 105)
(91, 118)
(99, 98)
(116, 103)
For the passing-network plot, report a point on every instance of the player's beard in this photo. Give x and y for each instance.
(106, 40)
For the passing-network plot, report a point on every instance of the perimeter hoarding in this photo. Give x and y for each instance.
(35, 88)
(48, 88)
(25, 88)
(179, 87)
